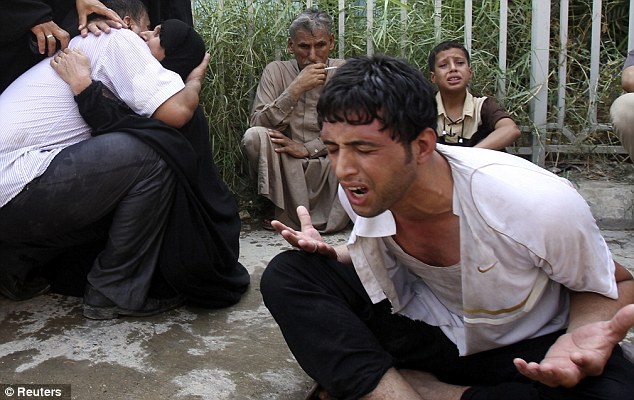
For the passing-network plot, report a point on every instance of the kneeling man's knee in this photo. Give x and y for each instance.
(278, 273)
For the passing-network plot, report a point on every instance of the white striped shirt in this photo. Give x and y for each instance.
(39, 115)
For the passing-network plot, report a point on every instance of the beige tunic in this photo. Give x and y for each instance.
(465, 126)
(287, 181)
(479, 116)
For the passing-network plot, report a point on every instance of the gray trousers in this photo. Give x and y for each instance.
(290, 182)
(113, 178)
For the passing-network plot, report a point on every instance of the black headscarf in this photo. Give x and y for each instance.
(184, 48)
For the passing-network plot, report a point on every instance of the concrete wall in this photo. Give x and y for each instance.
(612, 203)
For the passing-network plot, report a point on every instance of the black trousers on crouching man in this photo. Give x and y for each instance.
(346, 343)
(111, 187)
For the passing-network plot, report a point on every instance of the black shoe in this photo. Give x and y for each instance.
(266, 224)
(13, 288)
(98, 306)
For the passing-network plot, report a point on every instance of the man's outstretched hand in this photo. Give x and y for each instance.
(579, 353)
(308, 239)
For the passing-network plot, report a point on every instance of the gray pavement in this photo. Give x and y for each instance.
(188, 353)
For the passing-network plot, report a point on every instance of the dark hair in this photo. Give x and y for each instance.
(383, 88)
(450, 44)
(311, 20)
(134, 9)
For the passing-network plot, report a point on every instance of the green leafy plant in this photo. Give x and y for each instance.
(244, 35)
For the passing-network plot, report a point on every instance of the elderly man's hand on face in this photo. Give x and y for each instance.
(310, 77)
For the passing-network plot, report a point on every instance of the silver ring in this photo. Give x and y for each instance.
(50, 35)
(314, 251)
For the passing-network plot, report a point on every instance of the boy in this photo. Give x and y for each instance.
(463, 119)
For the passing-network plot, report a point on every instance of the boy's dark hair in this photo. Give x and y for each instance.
(449, 44)
(134, 9)
(311, 20)
(383, 88)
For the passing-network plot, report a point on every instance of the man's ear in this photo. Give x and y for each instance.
(289, 45)
(129, 22)
(432, 76)
(424, 144)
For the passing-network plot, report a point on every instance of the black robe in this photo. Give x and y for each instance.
(199, 255)
(17, 17)
(160, 10)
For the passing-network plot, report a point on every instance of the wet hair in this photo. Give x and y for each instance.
(450, 44)
(382, 88)
(134, 9)
(311, 20)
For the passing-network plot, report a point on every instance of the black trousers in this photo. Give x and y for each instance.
(111, 187)
(346, 343)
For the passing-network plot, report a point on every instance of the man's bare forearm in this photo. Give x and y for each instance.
(591, 307)
(179, 109)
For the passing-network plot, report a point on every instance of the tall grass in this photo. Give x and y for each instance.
(243, 36)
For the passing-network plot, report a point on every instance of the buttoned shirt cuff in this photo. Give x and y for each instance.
(316, 148)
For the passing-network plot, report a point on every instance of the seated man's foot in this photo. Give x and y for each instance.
(15, 289)
(266, 224)
(98, 306)
(268, 213)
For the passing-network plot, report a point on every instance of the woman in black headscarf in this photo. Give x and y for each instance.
(199, 255)
(162, 10)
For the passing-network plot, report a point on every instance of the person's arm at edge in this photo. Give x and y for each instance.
(627, 79)
(179, 109)
(505, 134)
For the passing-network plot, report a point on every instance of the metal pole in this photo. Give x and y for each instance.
(540, 45)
